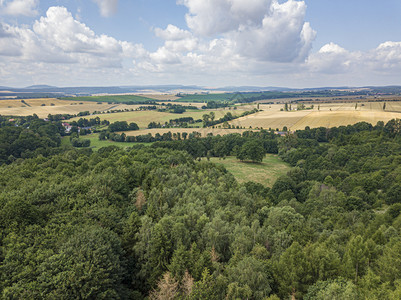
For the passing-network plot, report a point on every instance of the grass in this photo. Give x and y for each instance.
(96, 144)
(265, 173)
(205, 97)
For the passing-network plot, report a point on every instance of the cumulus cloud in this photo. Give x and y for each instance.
(19, 7)
(176, 39)
(59, 38)
(70, 35)
(9, 44)
(262, 29)
(283, 36)
(387, 55)
(381, 63)
(261, 42)
(210, 17)
(107, 7)
(332, 58)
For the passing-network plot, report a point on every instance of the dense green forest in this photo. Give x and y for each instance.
(155, 222)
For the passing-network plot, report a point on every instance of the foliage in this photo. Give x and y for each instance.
(154, 222)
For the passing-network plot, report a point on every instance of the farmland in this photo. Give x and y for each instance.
(44, 107)
(143, 118)
(272, 115)
(112, 99)
(323, 115)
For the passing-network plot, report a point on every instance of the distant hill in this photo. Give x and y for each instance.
(34, 87)
(36, 91)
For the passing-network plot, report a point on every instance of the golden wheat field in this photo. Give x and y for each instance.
(323, 115)
(44, 107)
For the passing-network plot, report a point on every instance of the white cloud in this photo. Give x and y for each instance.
(107, 7)
(228, 42)
(176, 39)
(70, 35)
(59, 38)
(210, 17)
(262, 29)
(283, 36)
(333, 59)
(19, 7)
(172, 33)
(387, 56)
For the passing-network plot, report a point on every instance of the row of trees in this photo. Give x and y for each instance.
(209, 119)
(122, 126)
(179, 122)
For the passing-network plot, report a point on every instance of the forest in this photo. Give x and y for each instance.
(156, 222)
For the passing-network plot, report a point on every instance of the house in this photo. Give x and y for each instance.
(67, 126)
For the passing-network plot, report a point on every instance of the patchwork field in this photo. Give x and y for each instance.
(265, 173)
(272, 116)
(143, 118)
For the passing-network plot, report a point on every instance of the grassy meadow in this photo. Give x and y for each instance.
(265, 173)
(96, 144)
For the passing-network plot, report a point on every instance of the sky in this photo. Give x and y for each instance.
(211, 43)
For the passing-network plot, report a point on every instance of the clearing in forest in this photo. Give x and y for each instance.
(265, 173)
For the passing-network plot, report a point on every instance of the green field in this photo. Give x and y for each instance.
(111, 98)
(205, 97)
(265, 173)
(96, 144)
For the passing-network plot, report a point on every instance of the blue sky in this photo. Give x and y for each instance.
(212, 43)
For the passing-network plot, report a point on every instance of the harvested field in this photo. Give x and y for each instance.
(270, 119)
(17, 103)
(339, 118)
(143, 118)
(44, 107)
(325, 115)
